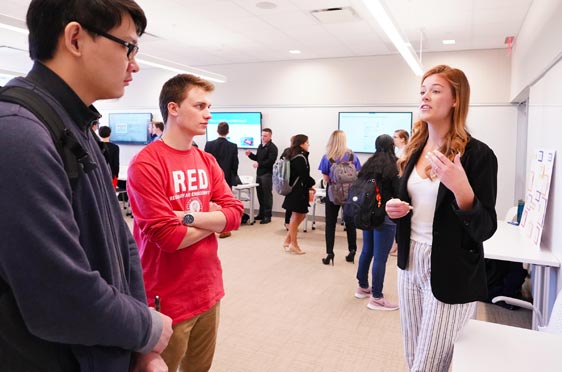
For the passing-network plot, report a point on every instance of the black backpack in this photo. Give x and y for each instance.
(74, 156)
(365, 204)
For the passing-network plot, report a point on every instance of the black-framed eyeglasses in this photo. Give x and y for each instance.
(132, 49)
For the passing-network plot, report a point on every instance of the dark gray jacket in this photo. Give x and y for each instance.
(71, 287)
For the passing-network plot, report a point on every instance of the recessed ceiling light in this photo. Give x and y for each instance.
(295, 51)
(449, 42)
(266, 5)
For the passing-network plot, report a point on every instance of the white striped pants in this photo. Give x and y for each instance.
(429, 326)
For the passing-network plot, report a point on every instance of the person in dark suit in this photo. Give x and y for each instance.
(450, 180)
(226, 154)
(112, 153)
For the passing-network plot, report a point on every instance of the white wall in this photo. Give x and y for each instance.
(537, 46)
(306, 96)
(545, 131)
(536, 74)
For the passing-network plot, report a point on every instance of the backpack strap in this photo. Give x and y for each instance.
(297, 179)
(302, 156)
(74, 156)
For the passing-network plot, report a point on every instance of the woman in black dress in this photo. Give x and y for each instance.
(297, 200)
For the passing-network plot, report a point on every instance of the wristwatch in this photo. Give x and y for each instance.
(188, 219)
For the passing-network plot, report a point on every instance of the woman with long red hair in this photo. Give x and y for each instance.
(444, 211)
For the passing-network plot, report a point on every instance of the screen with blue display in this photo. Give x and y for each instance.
(130, 128)
(244, 128)
(363, 128)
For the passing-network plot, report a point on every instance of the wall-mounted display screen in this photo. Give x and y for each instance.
(130, 128)
(363, 128)
(244, 128)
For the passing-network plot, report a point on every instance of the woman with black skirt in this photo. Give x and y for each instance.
(297, 200)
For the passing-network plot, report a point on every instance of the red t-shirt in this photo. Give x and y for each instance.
(162, 180)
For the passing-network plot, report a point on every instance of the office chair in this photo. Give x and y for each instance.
(554, 324)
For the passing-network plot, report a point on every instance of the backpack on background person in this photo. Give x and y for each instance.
(281, 176)
(364, 204)
(342, 176)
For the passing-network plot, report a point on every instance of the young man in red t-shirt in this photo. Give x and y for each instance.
(180, 199)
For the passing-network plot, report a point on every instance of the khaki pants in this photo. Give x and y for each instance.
(192, 345)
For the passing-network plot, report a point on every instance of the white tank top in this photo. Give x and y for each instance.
(423, 193)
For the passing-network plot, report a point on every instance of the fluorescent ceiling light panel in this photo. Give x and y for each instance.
(295, 51)
(449, 42)
(164, 64)
(385, 22)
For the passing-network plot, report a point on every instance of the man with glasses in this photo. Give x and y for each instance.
(71, 288)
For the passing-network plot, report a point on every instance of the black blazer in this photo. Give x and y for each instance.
(457, 258)
(226, 154)
(297, 199)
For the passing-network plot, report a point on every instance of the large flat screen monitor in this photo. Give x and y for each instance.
(244, 128)
(363, 128)
(130, 128)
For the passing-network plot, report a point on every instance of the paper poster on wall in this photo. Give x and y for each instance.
(536, 198)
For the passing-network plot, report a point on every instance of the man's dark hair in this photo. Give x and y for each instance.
(104, 132)
(46, 20)
(267, 130)
(222, 129)
(177, 88)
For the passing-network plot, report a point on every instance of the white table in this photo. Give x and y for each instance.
(508, 244)
(320, 193)
(251, 187)
(484, 346)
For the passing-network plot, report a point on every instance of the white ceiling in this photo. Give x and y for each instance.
(215, 32)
